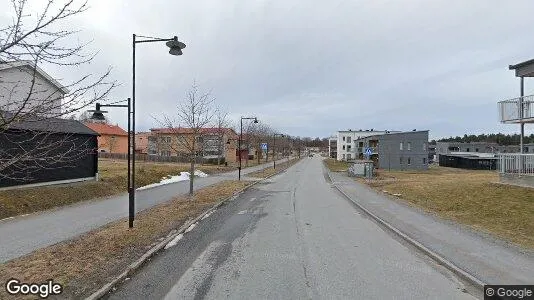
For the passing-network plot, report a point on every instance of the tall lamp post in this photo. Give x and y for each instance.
(274, 148)
(241, 138)
(175, 48)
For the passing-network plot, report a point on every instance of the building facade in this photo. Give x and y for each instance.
(345, 147)
(111, 139)
(28, 88)
(210, 143)
(443, 148)
(396, 150)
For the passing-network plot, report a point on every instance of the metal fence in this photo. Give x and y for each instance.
(517, 164)
(152, 158)
(510, 110)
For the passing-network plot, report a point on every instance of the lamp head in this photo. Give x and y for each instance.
(175, 46)
(98, 114)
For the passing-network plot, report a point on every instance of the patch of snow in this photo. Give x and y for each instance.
(173, 179)
(207, 215)
(174, 241)
(190, 227)
(200, 174)
(242, 212)
(252, 199)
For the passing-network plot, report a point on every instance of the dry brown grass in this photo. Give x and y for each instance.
(336, 166)
(88, 262)
(467, 196)
(270, 171)
(113, 181)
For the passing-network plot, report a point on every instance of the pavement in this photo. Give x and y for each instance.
(293, 236)
(487, 258)
(25, 234)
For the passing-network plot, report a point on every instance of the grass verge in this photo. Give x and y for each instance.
(270, 171)
(336, 166)
(467, 196)
(84, 264)
(113, 181)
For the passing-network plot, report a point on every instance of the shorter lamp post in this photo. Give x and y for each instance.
(241, 138)
(98, 114)
(274, 148)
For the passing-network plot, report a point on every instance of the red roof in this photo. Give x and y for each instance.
(106, 129)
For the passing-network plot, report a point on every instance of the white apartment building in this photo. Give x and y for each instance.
(346, 149)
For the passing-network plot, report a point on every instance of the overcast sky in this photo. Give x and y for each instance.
(310, 68)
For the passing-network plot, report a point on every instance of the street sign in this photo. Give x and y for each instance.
(264, 146)
(368, 152)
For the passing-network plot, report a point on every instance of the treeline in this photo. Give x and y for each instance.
(499, 138)
(317, 142)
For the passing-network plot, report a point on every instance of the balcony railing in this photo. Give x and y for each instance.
(510, 110)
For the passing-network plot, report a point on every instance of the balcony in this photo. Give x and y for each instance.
(510, 110)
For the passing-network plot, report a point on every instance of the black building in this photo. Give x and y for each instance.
(464, 161)
(47, 151)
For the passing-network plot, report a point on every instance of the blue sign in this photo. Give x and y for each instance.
(368, 152)
(264, 146)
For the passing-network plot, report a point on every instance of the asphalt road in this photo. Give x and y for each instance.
(23, 235)
(292, 237)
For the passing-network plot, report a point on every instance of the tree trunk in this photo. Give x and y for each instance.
(192, 175)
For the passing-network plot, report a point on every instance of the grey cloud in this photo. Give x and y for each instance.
(313, 67)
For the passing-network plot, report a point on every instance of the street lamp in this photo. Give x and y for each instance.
(98, 114)
(240, 138)
(175, 48)
(274, 148)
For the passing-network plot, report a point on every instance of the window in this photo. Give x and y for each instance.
(348, 139)
(467, 150)
(424, 161)
(343, 156)
(409, 160)
(348, 156)
(343, 139)
(401, 146)
(360, 144)
(343, 147)
(409, 148)
(476, 149)
(348, 147)
(401, 160)
(424, 146)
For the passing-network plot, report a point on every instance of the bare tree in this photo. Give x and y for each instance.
(30, 41)
(192, 116)
(221, 123)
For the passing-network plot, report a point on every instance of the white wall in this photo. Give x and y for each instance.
(16, 86)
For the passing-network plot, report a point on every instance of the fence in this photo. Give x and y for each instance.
(516, 164)
(158, 158)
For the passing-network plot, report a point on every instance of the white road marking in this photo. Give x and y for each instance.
(174, 241)
(252, 199)
(242, 212)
